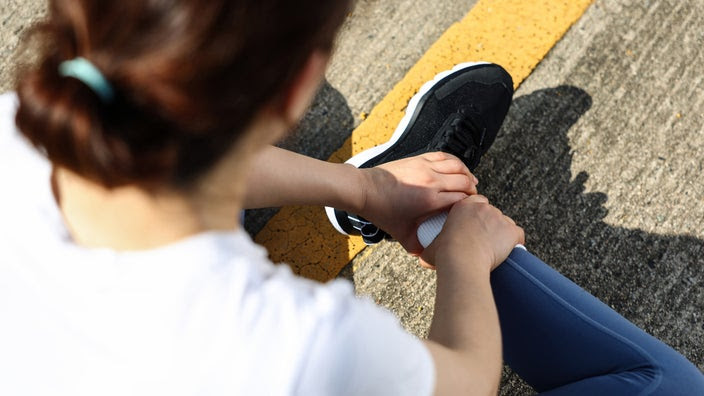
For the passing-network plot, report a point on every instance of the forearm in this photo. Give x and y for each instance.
(280, 177)
(466, 323)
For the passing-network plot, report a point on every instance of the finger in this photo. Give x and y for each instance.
(452, 165)
(459, 183)
(477, 198)
(447, 199)
(413, 246)
(521, 235)
(436, 156)
(425, 264)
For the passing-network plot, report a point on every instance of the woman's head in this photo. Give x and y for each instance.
(188, 75)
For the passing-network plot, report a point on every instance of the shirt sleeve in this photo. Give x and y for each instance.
(365, 351)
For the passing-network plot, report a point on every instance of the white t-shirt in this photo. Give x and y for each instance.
(209, 315)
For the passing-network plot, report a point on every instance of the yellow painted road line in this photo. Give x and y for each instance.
(516, 34)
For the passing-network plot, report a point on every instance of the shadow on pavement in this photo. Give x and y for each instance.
(653, 280)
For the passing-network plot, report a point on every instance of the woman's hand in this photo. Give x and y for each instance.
(400, 195)
(476, 235)
(465, 335)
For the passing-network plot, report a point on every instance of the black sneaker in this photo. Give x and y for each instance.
(459, 112)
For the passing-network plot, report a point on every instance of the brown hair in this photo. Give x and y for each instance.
(189, 75)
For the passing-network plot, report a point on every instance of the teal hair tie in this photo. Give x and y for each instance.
(83, 70)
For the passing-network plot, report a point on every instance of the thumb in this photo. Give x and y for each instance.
(425, 264)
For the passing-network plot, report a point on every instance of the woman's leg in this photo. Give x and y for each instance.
(563, 341)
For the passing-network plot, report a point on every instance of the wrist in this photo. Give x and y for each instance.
(352, 193)
(475, 265)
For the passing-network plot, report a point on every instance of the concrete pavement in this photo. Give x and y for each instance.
(600, 160)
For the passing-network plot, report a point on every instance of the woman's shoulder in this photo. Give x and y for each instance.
(24, 174)
(8, 108)
(16, 152)
(8, 99)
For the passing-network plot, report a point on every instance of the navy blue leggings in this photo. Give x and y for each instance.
(563, 341)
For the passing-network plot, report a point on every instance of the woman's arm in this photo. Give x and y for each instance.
(465, 338)
(281, 177)
(396, 196)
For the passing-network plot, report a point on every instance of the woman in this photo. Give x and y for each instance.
(124, 270)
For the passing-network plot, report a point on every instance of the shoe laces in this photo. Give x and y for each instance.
(370, 233)
(462, 136)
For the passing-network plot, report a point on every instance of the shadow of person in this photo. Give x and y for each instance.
(324, 128)
(653, 280)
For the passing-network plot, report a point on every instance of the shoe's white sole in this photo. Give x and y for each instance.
(366, 155)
